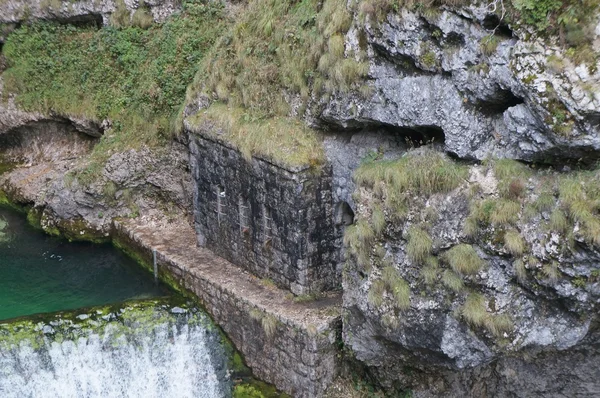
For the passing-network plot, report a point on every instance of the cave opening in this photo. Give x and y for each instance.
(417, 136)
(344, 215)
(492, 22)
(501, 102)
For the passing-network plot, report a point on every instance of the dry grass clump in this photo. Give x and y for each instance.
(358, 239)
(580, 196)
(558, 221)
(277, 47)
(464, 260)
(419, 244)
(393, 283)
(544, 202)
(452, 281)
(520, 270)
(397, 287)
(514, 243)
(505, 212)
(285, 140)
(422, 172)
(550, 271)
(511, 177)
(431, 270)
(378, 220)
(474, 311)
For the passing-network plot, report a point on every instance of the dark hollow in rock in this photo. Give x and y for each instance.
(492, 22)
(503, 100)
(344, 215)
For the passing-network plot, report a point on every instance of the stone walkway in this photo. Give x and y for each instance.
(290, 344)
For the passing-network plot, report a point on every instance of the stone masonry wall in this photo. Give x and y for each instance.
(275, 222)
(291, 345)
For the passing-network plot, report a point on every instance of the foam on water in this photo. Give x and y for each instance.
(147, 352)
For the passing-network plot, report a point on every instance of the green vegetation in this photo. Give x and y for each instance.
(452, 281)
(397, 286)
(520, 270)
(277, 47)
(489, 44)
(283, 139)
(392, 282)
(464, 260)
(573, 21)
(514, 243)
(550, 271)
(474, 310)
(136, 78)
(423, 172)
(378, 220)
(419, 244)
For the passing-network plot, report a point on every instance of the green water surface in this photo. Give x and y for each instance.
(40, 273)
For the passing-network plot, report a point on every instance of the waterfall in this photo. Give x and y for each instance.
(142, 350)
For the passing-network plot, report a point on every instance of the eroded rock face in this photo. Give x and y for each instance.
(548, 293)
(504, 101)
(82, 11)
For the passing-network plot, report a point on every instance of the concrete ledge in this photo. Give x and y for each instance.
(291, 345)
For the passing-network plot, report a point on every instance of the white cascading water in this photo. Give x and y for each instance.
(138, 357)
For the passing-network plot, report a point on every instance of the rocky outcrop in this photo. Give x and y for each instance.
(523, 322)
(81, 12)
(486, 90)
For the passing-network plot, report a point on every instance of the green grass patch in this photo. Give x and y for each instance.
(136, 78)
(419, 244)
(283, 139)
(423, 172)
(277, 47)
(464, 260)
(514, 243)
(474, 311)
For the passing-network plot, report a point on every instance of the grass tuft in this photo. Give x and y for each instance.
(378, 220)
(397, 286)
(464, 260)
(419, 244)
(550, 271)
(514, 243)
(520, 270)
(452, 281)
(376, 292)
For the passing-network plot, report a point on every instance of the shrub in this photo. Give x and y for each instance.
(464, 259)
(419, 244)
(514, 243)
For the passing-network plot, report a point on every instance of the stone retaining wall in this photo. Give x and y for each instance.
(276, 222)
(291, 345)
